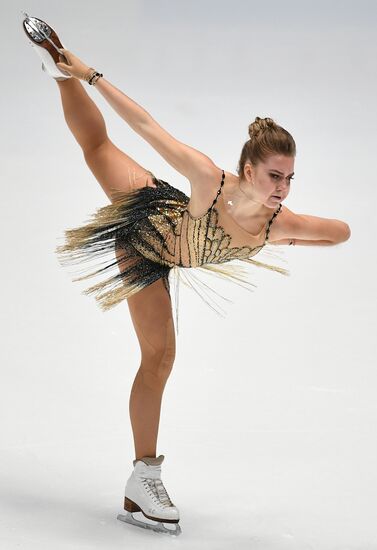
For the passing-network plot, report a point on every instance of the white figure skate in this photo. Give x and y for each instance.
(46, 44)
(146, 493)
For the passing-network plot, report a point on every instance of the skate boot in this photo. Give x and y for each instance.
(146, 493)
(46, 44)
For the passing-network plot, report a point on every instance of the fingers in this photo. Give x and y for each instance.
(65, 56)
(65, 53)
(64, 66)
(70, 63)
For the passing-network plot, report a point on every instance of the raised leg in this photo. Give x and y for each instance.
(82, 115)
(113, 169)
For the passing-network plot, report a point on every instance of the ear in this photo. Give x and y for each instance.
(248, 171)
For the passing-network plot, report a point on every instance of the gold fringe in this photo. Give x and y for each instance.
(262, 264)
(105, 216)
(111, 297)
(229, 271)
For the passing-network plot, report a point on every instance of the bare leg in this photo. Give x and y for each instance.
(82, 115)
(151, 314)
(150, 308)
(145, 407)
(113, 168)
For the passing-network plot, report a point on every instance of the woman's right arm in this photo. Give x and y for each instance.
(127, 108)
(185, 159)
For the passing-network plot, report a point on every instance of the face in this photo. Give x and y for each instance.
(270, 178)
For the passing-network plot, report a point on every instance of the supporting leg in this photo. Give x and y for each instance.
(151, 314)
(145, 408)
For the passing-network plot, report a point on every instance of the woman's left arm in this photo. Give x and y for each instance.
(307, 230)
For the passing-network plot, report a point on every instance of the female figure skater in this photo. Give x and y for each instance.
(150, 228)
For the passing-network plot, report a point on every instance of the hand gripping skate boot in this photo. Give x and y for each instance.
(146, 493)
(46, 44)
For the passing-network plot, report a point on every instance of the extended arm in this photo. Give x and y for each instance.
(185, 159)
(127, 108)
(311, 230)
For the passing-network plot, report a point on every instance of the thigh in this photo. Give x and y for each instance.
(151, 314)
(115, 170)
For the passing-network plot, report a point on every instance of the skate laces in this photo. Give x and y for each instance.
(150, 476)
(157, 489)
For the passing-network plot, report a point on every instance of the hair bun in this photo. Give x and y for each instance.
(261, 125)
(266, 138)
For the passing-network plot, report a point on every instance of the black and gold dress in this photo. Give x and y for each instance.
(149, 233)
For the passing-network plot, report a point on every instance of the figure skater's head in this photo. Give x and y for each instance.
(266, 165)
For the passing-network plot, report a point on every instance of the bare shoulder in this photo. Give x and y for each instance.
(206, 175)
(204, 184)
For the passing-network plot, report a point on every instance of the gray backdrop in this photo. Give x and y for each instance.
(268, 422)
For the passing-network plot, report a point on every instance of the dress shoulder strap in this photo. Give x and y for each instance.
(271, 220)
(218, 191)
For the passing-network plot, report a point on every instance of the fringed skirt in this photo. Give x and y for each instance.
(126, 240)
(123, 232)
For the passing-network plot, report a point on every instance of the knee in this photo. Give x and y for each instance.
(156, 366)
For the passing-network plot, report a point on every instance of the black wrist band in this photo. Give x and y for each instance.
(95, 76)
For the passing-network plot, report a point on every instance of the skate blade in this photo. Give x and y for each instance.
(37, 27)
(159, 527)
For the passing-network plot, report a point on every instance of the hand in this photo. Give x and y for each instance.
(75, 66)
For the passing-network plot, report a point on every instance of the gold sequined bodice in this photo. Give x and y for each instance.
(214, 237)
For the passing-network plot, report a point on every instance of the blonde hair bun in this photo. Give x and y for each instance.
(261, 125)
(266, 138)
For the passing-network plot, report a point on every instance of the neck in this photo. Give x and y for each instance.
(244, 201)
